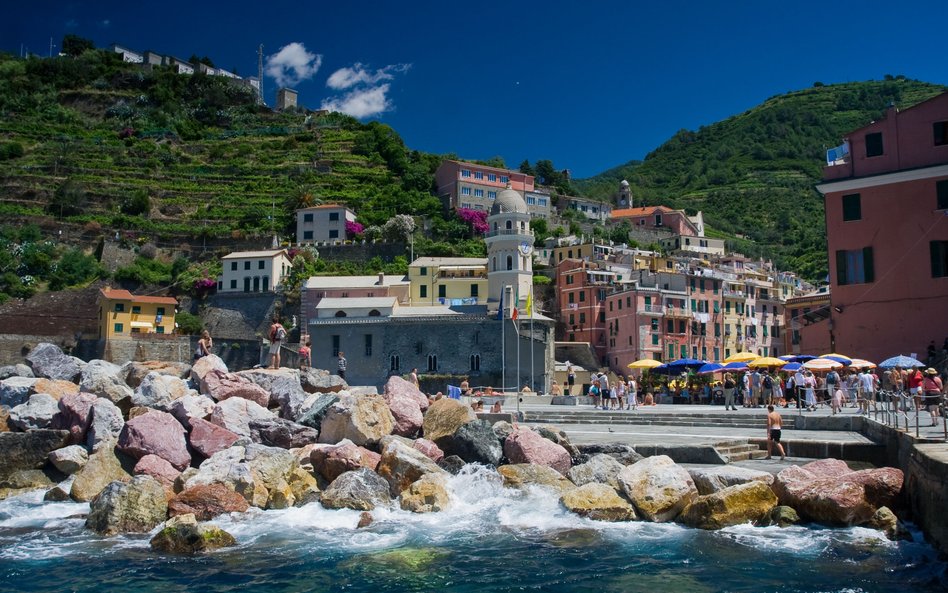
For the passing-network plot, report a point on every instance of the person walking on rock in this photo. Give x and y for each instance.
(277, 337)
(341, 365)
(774, 426)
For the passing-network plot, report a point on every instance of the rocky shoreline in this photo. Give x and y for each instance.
(153, 444)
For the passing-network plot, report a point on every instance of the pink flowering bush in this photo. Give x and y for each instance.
(204, 286)
(476, 219)
(353, 229)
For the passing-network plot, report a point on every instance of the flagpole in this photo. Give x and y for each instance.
(503, 340)
(533, 353)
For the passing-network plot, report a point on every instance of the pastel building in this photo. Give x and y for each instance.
(591, 209)
(661, 218)
(461, 184)
(886, 203)
(253, 271)
(317, 288)
(323, 224)
(124, 315)
(447, 280)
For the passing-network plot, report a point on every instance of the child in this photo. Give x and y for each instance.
(305, 355)
(837, 404)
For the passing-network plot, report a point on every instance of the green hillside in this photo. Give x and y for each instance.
(753, 174)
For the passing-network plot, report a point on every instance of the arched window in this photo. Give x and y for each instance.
(523, 225)
(393, 362)
(374, 313)
(495, 226)
(340, 313)
(509, 262)
(475, 362)
(432, 363)
(509, 225)
(493, 264)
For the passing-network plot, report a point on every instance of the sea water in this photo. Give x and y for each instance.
(490, 539)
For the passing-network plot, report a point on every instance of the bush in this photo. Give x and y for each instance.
(10, 150)
(75, 268)
(188, 324)
(145, 271)
(136, 204)
(148, 251)
(541, 280)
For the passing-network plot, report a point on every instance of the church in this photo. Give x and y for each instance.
(497, 341)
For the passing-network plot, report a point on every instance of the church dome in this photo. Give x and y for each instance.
(624, 183)
(508, 200)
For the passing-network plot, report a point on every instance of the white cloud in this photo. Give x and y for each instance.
(361, 103)
(345, 78)
(292, 64)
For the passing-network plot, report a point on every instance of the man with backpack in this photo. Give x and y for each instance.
(767, 392)
(277, 337)
(832, 383)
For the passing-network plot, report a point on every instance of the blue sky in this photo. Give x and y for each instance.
(590, 85)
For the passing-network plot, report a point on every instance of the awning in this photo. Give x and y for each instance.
(142, 324)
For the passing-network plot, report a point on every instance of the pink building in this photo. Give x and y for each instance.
(581, 290)
(634, 325)
(660, 218)
(466, 185)
(886, 204)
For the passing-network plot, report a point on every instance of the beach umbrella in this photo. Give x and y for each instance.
(736, 366)
(711, 367)
(663, 370)
(906, 362)
(858, 363)
(792, 367)
(645, 363)
(796, 357)
(822, 364)
(767, 361)
(742, 357)
(841, 358)
(685, 364)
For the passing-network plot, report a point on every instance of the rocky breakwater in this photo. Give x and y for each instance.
(176, 453)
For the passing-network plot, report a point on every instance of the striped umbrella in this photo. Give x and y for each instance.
(858, 363)
(822, 364)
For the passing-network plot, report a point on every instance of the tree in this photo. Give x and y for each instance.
(398, 228)
(136, 204)
(545, 172)
(75, 268)
(526, 168)
(74, 46)
(69, 199)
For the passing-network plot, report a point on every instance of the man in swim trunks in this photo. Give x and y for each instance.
(774, 424)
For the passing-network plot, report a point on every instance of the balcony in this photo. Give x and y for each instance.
(510, 232)
(677, 312)
(737, 294)
(653, 309)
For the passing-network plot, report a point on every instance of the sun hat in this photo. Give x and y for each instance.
(930, 371)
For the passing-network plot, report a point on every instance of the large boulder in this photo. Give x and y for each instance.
(526, 446)
(474, 442)
(827, 491)
(103, 467)
(50, 362)
(524, 475)
(658, 487)
(321, 381)
(55, 387)
(751, 502)
(428, 494)
(599, 502)
(15, 370)
(558, 436)
(184, 535)
(398, 387)
(402, 464)
(137, 506)
(265, 377)
(207, 501)
(106, 425)
(23, 481)
(221, 386)
(256, 472)
(191, 406)
(208, 438)
(204, 365)
(235, 415)
(156, 433)
(160, 391)
(279, 432)
(75, 415)
(624, 454)
(431, 450)
(444, 417)
(408, 416)
(709, 480)
(331, 461)
(362, 420)
(287, 393)
(28, 450)
(360, 489)
(158, 468)
(229, 468)
(37, 412)
(69, 460)
(600, 469)
(16, 390)
(312, 410)
(104, 379)
(136, 371)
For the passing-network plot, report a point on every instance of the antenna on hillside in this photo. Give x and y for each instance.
(260, 71)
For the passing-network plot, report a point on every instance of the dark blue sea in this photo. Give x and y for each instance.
(492, 539)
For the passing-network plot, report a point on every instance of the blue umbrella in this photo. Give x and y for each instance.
(663, 370)
(792, 366)
(796, 357)
(711, 367)
(906, 362)
(840, 359)
(736, 366)
(686, 363)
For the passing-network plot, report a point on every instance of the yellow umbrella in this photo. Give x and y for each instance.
(859, 363)
(767, 361)
(742, 357)
(645, 363)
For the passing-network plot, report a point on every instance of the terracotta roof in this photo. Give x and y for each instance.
(644, 211)
(124, 295)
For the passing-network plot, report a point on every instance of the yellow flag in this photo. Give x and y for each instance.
(530, 302)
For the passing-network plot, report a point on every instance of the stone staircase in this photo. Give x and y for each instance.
(740, 450)
(634, 418)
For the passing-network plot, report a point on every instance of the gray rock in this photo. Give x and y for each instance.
(316, 410)
(452, 464)
(225, 467)
(69, 459)
(191, 406)
(402, 464)
(16, 390)
(24, 480)
(600, 469)
(502, 430)
(265, 378)
(107, 424)
(235, 414)
(321, 381)
(29, 450)
(558, 436)
(360, 489)
(50, 362)
(15, 370)
(255, 472)
(134, 507)
(783, 516)
(59, 492)
(623, 453)
(287, 392)
(135, 371)
(360, 390)
(160, 391)
(709, 480)
(107, 380)
(184, 535)
(37, 412)
(279, 432)
(104, 467)
(363, 420)
(474, 442)
(658, 487)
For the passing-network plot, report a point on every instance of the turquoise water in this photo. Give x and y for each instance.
(491, 539)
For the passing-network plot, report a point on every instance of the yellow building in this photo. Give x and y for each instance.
(122, 314)
(441, 280)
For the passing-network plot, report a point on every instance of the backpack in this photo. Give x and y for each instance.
(768, 382)
(281, 333)
(832, 378)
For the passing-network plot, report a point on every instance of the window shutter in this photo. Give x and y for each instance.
(867, 264)
(841, 268)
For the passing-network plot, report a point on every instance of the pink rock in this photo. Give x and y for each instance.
(525, 446)
(431, 450)
(206, 364)
(406, 412)
(158, 468)
(398, 386)
(208, 438)
(157, 433)
(333, 461)
(74, 415)
(220, 386)
(827, 491)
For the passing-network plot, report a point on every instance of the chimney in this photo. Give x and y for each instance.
(381, 279)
